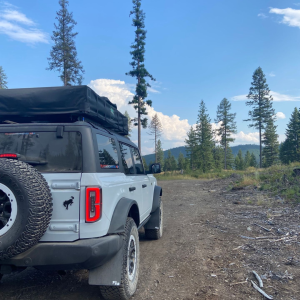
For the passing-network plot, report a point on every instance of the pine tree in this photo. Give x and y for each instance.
(290, 149)
(126, 114)
(63, 56)
(253, 162)
(239, 161)
(191, 148)
(144, 163)
(261, 103)
(139, 70)
(160, 154)
(181, 161)
(247, 159)
(218, 157)
(3, 79)
(173, 163)
(227, 126)
(156, 130)
(204, 135)
(168, 162)
(271, 149)
(229, 159)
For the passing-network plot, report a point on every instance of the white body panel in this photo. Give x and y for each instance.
(64, 224)
(69, 224)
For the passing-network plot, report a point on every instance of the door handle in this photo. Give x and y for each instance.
(144, 185)
(131, 189)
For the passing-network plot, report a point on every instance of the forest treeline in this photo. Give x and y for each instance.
(209, 150)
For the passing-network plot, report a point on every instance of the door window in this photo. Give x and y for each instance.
(108, 153)
(139, 168)
(127, 159)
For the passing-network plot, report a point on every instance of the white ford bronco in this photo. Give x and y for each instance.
(73, 188)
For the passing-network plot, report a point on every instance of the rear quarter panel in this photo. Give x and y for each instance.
(114, 187)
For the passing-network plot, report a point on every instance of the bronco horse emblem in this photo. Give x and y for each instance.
(68, 202)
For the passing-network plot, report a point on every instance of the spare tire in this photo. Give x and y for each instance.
(25, 207)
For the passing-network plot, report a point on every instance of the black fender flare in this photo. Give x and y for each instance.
(156, 198)
(118, 220)
(154, 220)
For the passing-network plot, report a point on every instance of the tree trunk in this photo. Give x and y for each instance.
(139, 125)
(260, 165)
(155, 148)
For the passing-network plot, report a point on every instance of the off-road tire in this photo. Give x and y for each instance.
(34, 207)
(155, 234)
(127, 287)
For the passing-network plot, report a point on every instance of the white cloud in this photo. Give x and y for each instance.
(277, 97)
(272, 74)
(280, 115)
(262, 15)
(246, 138)
(17, 26)
(291, 17)
(118, 92)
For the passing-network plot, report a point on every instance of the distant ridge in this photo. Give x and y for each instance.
(235, 149)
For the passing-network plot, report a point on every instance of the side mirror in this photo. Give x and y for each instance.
(155, 169)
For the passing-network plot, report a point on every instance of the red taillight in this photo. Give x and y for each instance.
(93, 204)
(8, 155)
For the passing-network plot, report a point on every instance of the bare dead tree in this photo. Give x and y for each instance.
(156, 130)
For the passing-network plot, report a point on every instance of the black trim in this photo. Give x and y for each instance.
(118, 221)
(82, 254)
(156, 198)
(144, 222)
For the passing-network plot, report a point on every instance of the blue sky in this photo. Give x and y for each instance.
(195, 49)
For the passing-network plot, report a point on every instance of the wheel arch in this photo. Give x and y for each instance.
(125, 208)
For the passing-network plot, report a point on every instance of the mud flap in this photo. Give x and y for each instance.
(108, 274)
(154, 221)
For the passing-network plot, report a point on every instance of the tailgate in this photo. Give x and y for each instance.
(64, 224)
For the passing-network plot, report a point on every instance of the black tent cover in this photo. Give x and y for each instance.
(60, 104)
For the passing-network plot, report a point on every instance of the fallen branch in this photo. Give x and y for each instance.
(265, 237)
(237, 248)
(266, 229)
(247, 237)
(258, 279)
(261, 291)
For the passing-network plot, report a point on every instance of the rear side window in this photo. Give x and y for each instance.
(137, 161)
(44, 150)
(127, 159)
(108, 153)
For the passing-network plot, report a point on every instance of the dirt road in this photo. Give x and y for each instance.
(207, 252)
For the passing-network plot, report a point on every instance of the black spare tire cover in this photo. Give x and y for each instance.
(25, 207)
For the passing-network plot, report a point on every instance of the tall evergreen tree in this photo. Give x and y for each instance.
(139, 70)
(227, 126)
(191, 148)
(229, 159)
(218, 153)
(168, 162)
(253, 162)
(204, 135)
(160, 154)
(155, 130)
(247, 159)
(239, 161)
(261, 103)
(271, 150)
(63, 56)
(3, 79)
(181, 161)
(290, 149)
(126, 114)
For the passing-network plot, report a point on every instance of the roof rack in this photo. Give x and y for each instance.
(60, 104)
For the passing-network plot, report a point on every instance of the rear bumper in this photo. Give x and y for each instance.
(82, 254)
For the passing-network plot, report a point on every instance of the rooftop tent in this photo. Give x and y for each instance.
(60, 104)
